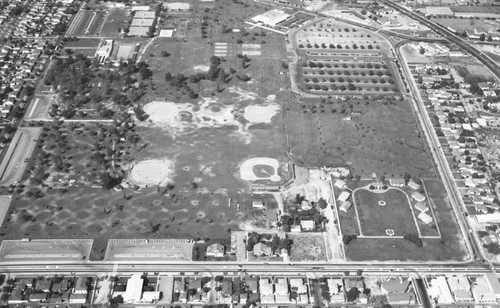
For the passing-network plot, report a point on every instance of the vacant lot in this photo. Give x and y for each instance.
(381, 211)
(308, 247)
(370, 135)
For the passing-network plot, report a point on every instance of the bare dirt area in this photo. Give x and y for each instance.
(308, 247)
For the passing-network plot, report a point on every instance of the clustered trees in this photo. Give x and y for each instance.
(275, 242)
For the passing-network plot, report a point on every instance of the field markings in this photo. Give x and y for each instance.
(33, 107)
(75, 22)
(94, 14)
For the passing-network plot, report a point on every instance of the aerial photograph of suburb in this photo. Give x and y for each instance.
(249, 153)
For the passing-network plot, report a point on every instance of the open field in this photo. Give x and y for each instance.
(83, 43)
(307, 247)
(49, 250)
(461, 24)
(115, 21)
(379, 212)
(86, 23)
(381, 136)
(449, 247)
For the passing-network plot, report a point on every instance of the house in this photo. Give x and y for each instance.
(481, 291)
(133, 292)
(261, 249)
(215, 250)
(413, 185)
(345, 206)
(150, 296)
(80, 286)
(438, 290)
(258, 204)
(17, 295)
(494, 284)
(418, 196)
(421, 207)
(43, 285)
(298, 288)
(281, 294)
(395, 285)
(195, 284)
(266, 290)
(378, 184)
(77, 298)
(39, 297)
(397, 182)
(488, 218)
(460, 288)
(305, 205)
(336, 290)
(340, 184)
(307, 225)
(227, 288)
(425, 218)
(481, 208)
(344, 196)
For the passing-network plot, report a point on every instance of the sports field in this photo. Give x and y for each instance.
(380, 212)
(116, 20)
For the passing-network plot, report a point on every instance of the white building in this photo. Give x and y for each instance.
(271, 18)
(481, 291)
(133, 292)
(460, 288)
(438, 290)
(344, 196)
(425, 218)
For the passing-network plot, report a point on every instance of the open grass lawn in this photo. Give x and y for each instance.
(86, 23)
(376, 219)
(383, 139)
(116, 19)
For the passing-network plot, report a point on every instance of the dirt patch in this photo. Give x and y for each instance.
(152, 172)
(351, 141)
(247, 169)
(261, 114)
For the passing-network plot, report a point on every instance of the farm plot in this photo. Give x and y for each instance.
(86, 23)
(384, 214)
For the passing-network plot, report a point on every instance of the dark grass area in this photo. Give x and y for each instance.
(117, 19)
(375, 219)
(83, 42)
(384, 138)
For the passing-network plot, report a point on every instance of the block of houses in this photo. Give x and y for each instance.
(215, 250)
(77, 298)
(266, 290)
(336, 290)
(43, 285)
(397, 182)
(438, 290)
(345, 206)
(418, 196)
(425, 218)
(344, 196)
(227, 288)
(38, 297)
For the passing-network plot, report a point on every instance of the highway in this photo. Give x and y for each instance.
(492, 66)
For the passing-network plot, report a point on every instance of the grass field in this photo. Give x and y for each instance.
(384, 138)
(376, 219)
(83, 43)
(115, 21)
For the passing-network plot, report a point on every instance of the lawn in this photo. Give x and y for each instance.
(376, 219)
(83, 43)
(86, 23)
(382, 137)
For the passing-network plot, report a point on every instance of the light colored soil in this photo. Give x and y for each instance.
(261, 114)
(152, 172)
(247, 173)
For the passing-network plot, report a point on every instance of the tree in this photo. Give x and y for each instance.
(407, 177)
(164, 53)
(322, 203)
(352, 294)
(482, 37)
(347, 238)
(413, 238)
(109, 181)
